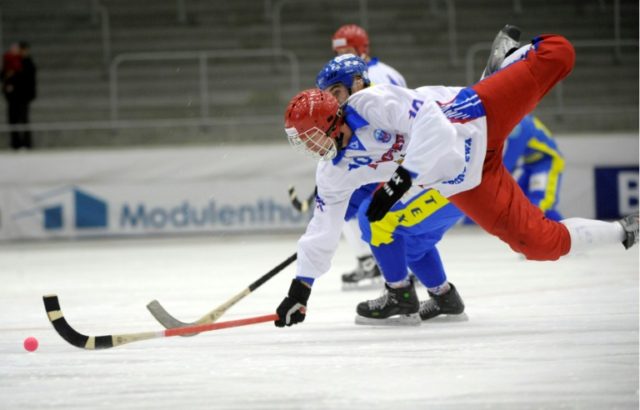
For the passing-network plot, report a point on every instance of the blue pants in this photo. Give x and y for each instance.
(407, 236)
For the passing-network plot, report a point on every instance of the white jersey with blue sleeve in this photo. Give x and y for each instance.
(381, 73)
(391, 125)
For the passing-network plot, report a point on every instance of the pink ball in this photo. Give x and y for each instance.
(30, 344)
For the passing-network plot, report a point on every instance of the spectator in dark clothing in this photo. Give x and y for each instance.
(19, 88)
(12, 61)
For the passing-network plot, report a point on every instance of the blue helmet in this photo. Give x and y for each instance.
(341, 70)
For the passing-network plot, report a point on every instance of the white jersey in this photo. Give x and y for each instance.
(381, 73)
(442, 146)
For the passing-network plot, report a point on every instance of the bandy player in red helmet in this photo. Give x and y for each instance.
(446, 138)
(353, 39)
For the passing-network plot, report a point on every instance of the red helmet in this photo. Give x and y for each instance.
(312, 121)
(351, 35)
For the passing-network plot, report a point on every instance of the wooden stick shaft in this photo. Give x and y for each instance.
(89, 342)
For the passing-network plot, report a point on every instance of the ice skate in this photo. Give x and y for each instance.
(447, 306)
(506, 40)
(630, 225)
(396, 307)
(366, 276)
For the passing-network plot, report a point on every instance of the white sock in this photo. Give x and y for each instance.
(587, 234)
(440, 289)
(517, 55)
(400, 284)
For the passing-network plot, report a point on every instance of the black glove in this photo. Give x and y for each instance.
(389, 194)
(293, 308)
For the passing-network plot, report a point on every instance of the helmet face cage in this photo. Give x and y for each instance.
(314, 142)
(341, 70)
(312, 123)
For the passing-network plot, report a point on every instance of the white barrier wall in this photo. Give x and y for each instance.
(601, 175)
(151, 191)
(155, 191)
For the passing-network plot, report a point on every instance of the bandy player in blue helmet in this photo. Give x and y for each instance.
(446, 138)
(407, 241)
(353, 39)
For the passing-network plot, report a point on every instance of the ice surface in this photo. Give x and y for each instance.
(552, 335)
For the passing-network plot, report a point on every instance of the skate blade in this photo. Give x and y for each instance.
(365, 284)
(401, 320)
(448, 318)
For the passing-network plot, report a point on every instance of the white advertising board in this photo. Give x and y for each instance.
(157, 191)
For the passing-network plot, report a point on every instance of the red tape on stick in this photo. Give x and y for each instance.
(220, 325)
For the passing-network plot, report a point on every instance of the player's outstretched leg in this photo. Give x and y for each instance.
(396, 306)
(366, 275)
(630, 225)
(448, 303)
(507, 39)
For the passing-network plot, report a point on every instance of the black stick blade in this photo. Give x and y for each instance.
(60, 324)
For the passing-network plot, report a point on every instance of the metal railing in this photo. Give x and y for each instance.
(105, 30)
(517, 6)
(136, 124)
(453, 33)
(202, 57)
(276, 23)
(95, 5)
(273, 10)
(1, 30)
(181, 11)
(276, 20)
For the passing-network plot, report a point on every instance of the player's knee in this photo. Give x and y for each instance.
(562, 52)
(539, 248)
(567, 54)
(540, 254)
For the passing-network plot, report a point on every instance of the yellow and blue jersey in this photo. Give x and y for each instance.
(532, 157)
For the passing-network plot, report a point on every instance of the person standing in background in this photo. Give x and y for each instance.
(19, 88)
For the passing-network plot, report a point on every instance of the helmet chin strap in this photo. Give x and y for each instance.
(339, 141)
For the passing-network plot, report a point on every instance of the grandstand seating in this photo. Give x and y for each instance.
(600, 96)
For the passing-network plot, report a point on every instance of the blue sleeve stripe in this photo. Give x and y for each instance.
(353, 119)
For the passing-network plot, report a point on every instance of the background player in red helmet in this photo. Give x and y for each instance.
(353, 39)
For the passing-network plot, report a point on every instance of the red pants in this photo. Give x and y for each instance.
(498, 204)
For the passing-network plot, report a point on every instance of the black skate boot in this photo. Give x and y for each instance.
(396, 306)
(366, 276)
(415, 280)
(630, 225)
(507, 40)
(449, 303)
